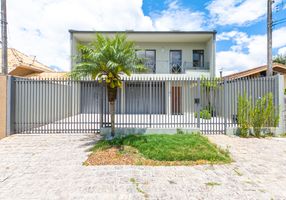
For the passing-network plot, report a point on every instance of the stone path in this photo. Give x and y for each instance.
(50, 167)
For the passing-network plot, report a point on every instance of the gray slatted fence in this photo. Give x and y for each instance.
(72, 106)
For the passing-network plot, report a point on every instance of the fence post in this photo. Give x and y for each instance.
(224, 105)
(101, 107)
(199, 104)
(150, 103)
(279, 87)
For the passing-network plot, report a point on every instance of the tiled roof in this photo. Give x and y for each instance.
(276, 67)
(48, 75)
(19, 59)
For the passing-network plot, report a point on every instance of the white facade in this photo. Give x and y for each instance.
(162, 45)
(185, 45)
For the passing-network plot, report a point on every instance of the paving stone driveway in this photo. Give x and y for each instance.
(50, 167)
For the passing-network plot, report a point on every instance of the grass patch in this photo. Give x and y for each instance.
(283, 135)
(165, 148)
(136, 184)
(237, 172)
(211, 184)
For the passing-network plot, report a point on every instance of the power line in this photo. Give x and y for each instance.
(279, 21)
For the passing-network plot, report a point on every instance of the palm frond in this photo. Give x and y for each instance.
(104, 56)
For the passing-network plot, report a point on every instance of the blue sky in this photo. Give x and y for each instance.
(257, 27)
(40, 28)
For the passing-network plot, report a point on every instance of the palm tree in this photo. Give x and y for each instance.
(106, 60)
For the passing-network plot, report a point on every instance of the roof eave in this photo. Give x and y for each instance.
(154, 32)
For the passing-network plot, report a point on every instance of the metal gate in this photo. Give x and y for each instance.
(58, 106)
(81, 106)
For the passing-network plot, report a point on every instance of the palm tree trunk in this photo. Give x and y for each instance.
(112, 92)
(112, 113)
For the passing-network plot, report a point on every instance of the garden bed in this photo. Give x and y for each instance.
(157, 149)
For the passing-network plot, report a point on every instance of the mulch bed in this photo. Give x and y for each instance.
(130, 156)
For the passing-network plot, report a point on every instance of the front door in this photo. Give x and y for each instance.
(176, 100)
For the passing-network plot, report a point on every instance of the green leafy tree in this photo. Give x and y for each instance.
(106, 60)
(280, 59)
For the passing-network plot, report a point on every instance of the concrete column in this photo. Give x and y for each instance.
(3, 106)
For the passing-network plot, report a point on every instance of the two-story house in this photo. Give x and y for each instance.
(167, 54)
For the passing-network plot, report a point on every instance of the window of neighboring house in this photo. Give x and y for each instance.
(149, 58)
(198, 58)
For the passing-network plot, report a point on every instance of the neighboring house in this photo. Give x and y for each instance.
(168, 52)
(20, 64)
(259, 72)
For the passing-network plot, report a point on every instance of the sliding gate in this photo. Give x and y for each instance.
(81, 106)
(58, 106)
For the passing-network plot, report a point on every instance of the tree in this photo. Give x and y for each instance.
(106, 60)
(280, 59)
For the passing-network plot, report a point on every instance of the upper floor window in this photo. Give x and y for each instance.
(176, 61)
(198, 58)
(149, 58)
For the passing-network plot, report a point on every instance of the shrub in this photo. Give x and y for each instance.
(211, 110)
(258, 116)
(272, 113)
(243, 111)
(262, 114)
(204, 114)
(180, 131)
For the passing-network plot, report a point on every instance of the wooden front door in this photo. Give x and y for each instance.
(176, 100)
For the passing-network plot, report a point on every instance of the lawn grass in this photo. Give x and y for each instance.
(164, 147)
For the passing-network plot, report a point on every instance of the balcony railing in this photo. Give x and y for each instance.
(178, 68)
(174, 68)
(150, 67)
(192, 66)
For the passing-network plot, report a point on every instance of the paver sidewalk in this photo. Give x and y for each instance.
(50, 167)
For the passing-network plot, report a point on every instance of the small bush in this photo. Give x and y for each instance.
(204, 114)
(243, 115)
(180, 131)
(262, 114)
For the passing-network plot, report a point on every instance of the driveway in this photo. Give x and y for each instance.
(50, 167)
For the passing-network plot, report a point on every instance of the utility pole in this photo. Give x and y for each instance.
(269, 37)
(4, 37)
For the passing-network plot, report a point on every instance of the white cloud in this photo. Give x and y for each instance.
(237, 12)
(40, 28)
(247, 51)
(282, 51)
(176, 17)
